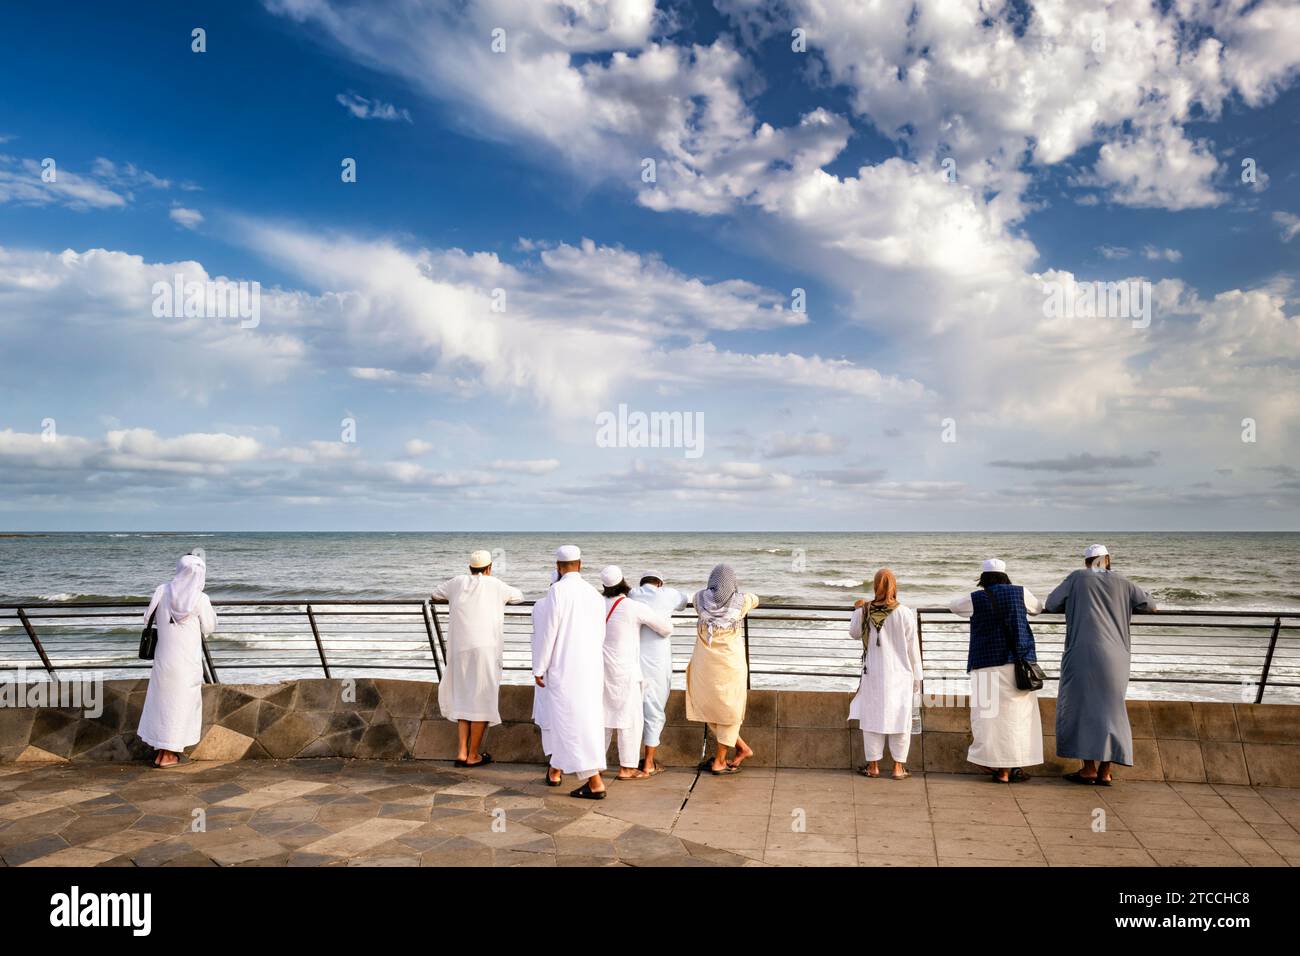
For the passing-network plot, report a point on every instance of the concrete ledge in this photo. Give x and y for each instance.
(1174, 741)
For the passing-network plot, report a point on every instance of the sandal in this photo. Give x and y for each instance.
(727, 769)
(996, 779)
(900, 776)
(554, 783)
(1106, 782)
(658, 769)
(180, 760)
(1077, 777)
(1018, 776)
(586, 793)
(867, 773)
(483, 758)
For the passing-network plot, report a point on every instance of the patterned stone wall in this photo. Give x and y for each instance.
(394, 719)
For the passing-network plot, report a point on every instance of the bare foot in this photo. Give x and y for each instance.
(743, 753)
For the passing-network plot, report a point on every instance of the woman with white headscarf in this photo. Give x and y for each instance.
(717, 678)
(173, 706)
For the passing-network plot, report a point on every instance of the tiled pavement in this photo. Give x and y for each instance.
(422, 813)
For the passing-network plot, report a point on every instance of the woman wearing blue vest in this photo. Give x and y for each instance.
(1006, 728)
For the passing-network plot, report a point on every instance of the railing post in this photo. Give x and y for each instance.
(425, 609)
(320, 648)
(1268, 660)
(748, 682)
(36, 643)
(207, 656)
(920, 645)
(442, 642)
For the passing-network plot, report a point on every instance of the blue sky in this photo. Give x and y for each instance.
(923, 388)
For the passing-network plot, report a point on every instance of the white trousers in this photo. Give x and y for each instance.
(873, 745)
(629, 741)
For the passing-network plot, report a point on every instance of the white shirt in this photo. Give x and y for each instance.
(623, 675)
(964, 606)
(476, 617)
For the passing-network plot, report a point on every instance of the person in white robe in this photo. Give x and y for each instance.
(656, 663)
(1006, 728)
(540, 710)
(470, 688)
(891, 675)
(172, 718)
(569, 662)
(624, 681)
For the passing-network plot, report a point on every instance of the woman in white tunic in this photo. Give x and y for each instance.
(469, 690)
(1006, 729)
(172, 718)
(624, 681)
(891, 675)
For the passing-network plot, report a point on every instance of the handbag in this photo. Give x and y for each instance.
(1029, 676)
(149, 638)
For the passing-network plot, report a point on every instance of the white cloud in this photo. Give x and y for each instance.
(1157, 254)
(528, 466)
(811, 442)
(1290, 224)
(189, 218)
(1160, 168)
(363, 108)
(108, 185)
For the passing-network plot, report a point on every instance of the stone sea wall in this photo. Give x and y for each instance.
(1256, 744)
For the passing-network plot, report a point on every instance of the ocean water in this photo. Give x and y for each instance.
(1201, 572)
(1180, 569)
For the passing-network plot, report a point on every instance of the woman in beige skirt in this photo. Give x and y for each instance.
(717, 678)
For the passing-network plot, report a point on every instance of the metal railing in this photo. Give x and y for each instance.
(1227, 655)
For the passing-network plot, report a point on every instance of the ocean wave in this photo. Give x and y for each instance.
(844, 583)
(1184, 594)
(69, 597)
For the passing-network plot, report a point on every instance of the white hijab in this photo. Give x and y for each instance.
(182, 593)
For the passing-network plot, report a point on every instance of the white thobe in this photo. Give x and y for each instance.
(471, 686)
(568, 642)
(172, 718)
(540, 697)
(656, 658)
(891, 673)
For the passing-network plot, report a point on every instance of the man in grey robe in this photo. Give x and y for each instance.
(1091, 720)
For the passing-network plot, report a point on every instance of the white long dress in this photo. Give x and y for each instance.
(891, 673)
(624, 679)
(1005, 724)
(568, 654)
(470, 689)
(172, 718)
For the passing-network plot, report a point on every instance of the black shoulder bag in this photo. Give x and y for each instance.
(1029, 676)
(149, 638)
